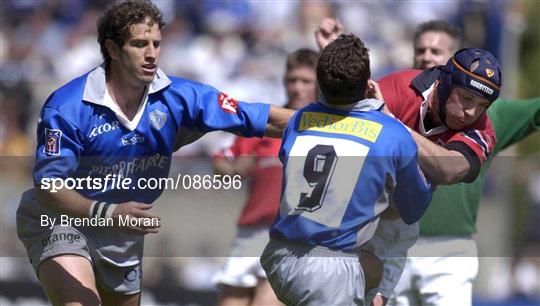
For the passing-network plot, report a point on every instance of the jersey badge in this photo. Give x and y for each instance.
(157, 119)
(227, 103)
(52, 141)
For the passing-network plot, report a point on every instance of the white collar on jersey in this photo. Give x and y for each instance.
(423, 110)
(95, 91)
(360, 106)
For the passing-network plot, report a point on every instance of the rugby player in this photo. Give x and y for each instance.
(344, 161)
(123, 118)
(446, 277)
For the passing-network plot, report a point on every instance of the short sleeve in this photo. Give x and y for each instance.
(59, 146)
(476, 144)
(479, 138)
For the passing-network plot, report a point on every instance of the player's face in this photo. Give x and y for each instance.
(463, 108)
(432, 49)
(139, 56)
(301, 87)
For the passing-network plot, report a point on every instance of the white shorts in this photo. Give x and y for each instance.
(243, 267)
(303, 275)
(440, 271)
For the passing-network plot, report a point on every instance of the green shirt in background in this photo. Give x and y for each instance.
(453, 209)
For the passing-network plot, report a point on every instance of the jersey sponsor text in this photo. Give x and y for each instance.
(104, 128)
(361, 128)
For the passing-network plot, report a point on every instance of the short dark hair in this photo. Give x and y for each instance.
(303, 57)
(116, 23)
(439, 26)
(343, 70)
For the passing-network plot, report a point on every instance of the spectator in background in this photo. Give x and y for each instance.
(434, 43)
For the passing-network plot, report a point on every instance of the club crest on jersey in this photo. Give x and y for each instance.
(157, 119)
(227, 103)
(52, 141)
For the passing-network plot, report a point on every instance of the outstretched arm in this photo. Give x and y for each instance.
(277, 121)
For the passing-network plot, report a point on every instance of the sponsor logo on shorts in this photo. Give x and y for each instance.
(228, 104)
(52, 141)
(64, 237)
(132, 275)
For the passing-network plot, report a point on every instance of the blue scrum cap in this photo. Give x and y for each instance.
(474, 69)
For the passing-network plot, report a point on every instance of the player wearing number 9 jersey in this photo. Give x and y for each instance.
(344, 163)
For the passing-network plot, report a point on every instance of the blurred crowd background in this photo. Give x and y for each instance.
(240, 48)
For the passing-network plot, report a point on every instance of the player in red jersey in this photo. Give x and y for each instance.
(444, 104)
(445, 109)
(242, 279)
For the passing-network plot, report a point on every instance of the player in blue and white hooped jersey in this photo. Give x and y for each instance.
(344, 164)
(121, 120)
